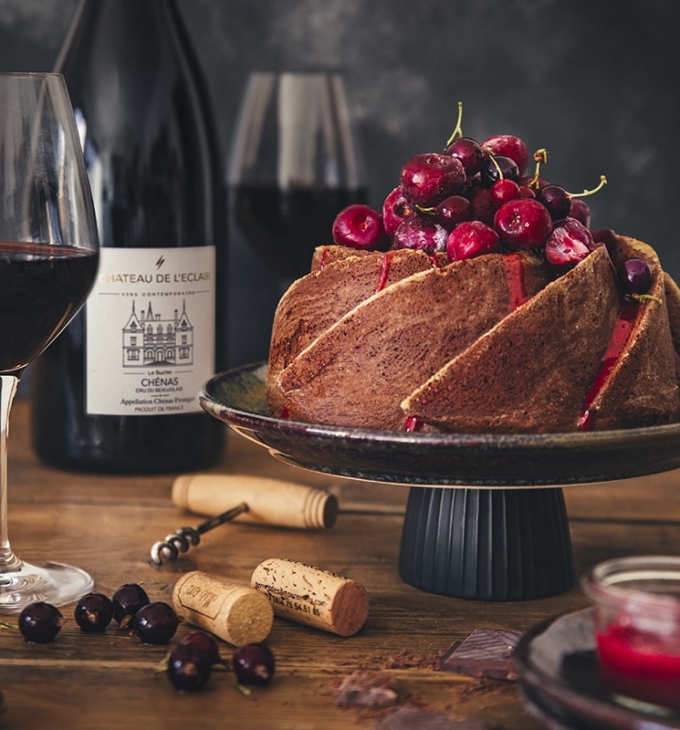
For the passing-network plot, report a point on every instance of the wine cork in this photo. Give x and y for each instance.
(311, 596)
(270, 501)
(236, 613)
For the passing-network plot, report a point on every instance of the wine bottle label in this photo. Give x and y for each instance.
(150, 322)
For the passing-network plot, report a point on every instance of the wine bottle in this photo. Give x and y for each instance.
(118, 391)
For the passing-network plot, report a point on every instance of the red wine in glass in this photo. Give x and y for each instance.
(285, 226)
(41, 288)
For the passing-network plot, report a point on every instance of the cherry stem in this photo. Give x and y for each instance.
(603, 182)
(458, 131)
(426, 211)
(540, 158)
(646, 297)
(498, 167)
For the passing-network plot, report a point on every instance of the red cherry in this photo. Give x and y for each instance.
(509, 146)
(556, 200)
(568, 244)
(635, 276)
(360, 226)
(483, 208)
(421, 234)
(396, 209)
(579, 209)
(504, 190)
(429, 178)
(523, 223)
(470, 239)
(452, 211)
(469, 152)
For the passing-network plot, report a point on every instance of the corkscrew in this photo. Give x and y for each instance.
(262, 501)
(186, 537)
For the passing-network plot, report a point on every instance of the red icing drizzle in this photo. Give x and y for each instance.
(323, 258)
(385, 270)
(515, 274)
(412, 424)
(623, 327)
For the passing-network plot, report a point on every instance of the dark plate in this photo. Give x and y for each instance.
(237, 398)
(558, 676)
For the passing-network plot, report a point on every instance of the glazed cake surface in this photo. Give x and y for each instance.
(402, 339)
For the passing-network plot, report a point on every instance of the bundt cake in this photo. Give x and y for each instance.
(478, 301)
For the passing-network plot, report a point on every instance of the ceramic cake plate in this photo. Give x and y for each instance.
(485, 516)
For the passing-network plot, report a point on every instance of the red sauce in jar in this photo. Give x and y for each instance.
(640, 664)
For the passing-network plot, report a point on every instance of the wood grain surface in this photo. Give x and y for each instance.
(107, 524)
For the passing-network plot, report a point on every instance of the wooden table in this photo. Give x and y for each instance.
(106, 525)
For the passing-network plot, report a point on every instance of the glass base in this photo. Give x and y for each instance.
(53, 583)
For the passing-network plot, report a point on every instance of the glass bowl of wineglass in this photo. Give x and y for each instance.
(294, 165)
(48, 263)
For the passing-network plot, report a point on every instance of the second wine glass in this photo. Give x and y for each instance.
(294, 165)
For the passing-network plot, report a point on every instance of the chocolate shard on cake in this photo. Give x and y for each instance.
(554, 365)
(357, 372)
(316, 301)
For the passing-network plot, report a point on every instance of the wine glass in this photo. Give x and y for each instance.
(293, 166)
(48, 262)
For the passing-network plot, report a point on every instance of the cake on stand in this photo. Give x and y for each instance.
(486, 517)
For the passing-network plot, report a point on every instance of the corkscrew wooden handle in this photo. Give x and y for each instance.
(259, 500)
(184, 538)
(270, 501)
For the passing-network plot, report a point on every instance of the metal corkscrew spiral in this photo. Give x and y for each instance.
(170, 547)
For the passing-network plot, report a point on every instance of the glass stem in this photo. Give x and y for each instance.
(8, 388)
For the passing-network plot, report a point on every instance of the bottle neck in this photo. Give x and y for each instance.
(135, 20)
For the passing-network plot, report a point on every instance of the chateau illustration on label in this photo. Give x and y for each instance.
(150, 340)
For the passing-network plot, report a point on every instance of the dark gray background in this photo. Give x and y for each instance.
(594, 81)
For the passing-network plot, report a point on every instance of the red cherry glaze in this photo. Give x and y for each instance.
(412, 424)
(384, 270)
(515, 274)
(625, 324)
(323, 259)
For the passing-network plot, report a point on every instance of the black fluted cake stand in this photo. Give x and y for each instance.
(486, 516)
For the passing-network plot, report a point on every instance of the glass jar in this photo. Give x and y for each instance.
(637, 626)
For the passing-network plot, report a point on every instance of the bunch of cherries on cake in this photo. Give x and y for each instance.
(477, 198)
